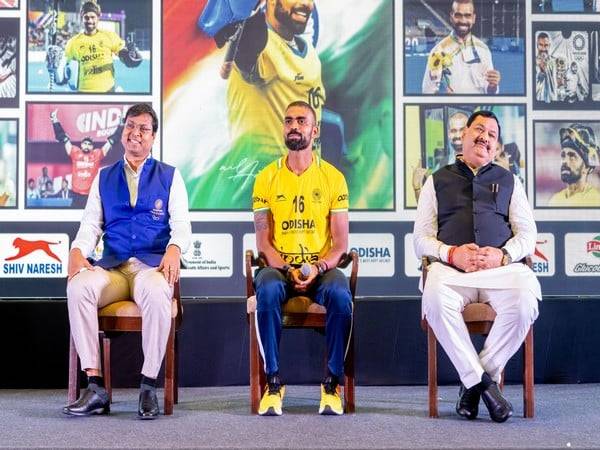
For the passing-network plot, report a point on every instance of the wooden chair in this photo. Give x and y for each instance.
(125, 316)
(298, 312)
(479, 318)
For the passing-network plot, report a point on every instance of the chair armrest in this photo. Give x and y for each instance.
(177, 297)
(345, 260)
(252, 261)
(249, 275)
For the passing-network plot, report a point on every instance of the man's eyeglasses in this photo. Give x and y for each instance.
(143, 129)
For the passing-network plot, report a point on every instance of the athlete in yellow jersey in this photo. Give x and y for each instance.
(301, 207)
(93, 50)
(284, 71)
(301, 215)
(274, 66)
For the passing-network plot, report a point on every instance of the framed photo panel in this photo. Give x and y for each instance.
(89, 48)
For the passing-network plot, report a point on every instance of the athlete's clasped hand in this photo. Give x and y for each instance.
(300, 283)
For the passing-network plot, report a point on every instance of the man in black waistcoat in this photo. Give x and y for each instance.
(474, 219)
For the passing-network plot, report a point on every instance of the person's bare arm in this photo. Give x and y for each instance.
(339, 225)
(263, 226)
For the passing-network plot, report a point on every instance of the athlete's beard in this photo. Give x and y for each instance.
(569, 177)
(460, 33)
(285, 18)
(296, 145)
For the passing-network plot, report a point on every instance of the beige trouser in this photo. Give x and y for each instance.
(93, 289)
(516, 309)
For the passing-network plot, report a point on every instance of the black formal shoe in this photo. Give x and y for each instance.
(148, 405)
(468, 402)
(88, 404)
(499, 408)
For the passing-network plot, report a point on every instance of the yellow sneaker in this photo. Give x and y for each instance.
(331, 400)
(272, 400)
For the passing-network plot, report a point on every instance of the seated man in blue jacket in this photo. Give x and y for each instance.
(140, 206)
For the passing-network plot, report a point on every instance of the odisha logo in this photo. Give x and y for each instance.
(372, 252)
(298, 224)
(593, 246)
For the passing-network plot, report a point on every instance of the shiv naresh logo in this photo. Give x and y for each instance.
(25, 247)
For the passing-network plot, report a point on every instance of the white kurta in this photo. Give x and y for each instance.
(522, 244)
(511, 290)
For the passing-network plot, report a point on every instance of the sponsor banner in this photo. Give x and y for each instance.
(412, 264)
(209, 255)
(582, 254)
(375, 253)
(30, 255)
(544, 259)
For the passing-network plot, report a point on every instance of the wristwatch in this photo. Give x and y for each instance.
(506, 258)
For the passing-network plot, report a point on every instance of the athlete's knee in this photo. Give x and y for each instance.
(270, 289)
(339, 297)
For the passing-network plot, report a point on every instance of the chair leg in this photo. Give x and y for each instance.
(176, 373)
(528, 378)
(73, 393)
(106, 366)
(255, 369)
(432, 372)
(349, 406)
(170, 371)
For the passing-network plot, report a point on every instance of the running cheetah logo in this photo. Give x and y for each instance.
(27, 247)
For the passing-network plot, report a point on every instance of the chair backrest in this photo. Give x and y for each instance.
(260, 261)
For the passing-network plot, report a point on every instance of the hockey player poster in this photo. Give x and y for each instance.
(228, 129)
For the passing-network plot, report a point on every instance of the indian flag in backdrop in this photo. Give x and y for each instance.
(354, 41)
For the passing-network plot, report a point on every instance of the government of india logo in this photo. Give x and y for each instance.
(593, 246)
(197, 250)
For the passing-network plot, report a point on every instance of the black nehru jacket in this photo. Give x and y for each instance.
(473, 208)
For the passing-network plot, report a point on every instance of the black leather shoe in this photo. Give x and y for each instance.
(148, 405)
(88, 404)
(468, 402)
(499, 408)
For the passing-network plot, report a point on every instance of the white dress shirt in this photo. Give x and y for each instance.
(92, 223)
